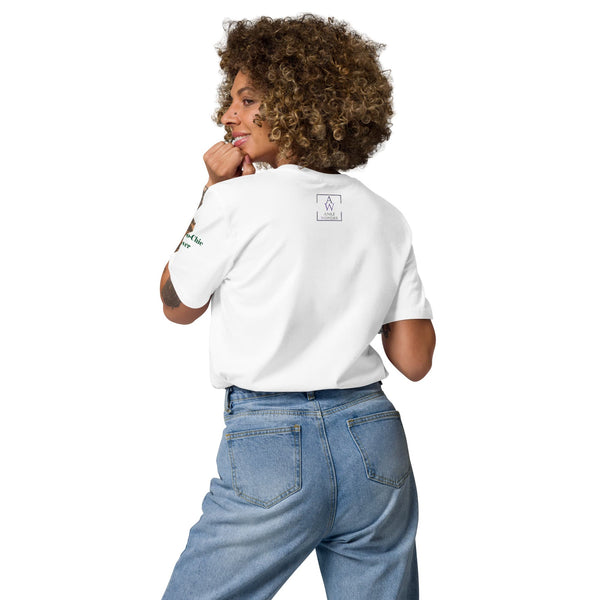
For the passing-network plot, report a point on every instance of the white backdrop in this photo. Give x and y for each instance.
(110, 425)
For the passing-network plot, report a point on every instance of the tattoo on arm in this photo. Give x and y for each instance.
(385, 330)
(169, 295)
(202, 198)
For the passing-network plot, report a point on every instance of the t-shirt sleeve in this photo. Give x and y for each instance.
(204, 258)
(410, 301)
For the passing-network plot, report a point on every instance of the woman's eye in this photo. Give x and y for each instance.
(247, 102)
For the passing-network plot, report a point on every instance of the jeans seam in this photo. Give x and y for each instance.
(388, 414)
(262, 431)
(271, 395)
(269, 411)
(331, 469)
(341, 407)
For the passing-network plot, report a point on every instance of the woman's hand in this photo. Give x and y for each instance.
(224, 161)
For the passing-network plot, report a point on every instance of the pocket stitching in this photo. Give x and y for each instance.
(388, 414)
(295, 430)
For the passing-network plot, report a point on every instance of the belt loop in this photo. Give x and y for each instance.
(227, 399)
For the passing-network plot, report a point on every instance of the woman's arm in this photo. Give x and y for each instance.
(409, 345)
(173, 308)
(223, 161)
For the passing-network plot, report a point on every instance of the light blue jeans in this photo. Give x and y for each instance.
(326, 470)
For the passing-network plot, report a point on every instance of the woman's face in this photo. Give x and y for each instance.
(239, 118)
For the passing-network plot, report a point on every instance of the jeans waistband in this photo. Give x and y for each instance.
(235, 393)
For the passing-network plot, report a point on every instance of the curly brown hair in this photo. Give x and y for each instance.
(323, 92)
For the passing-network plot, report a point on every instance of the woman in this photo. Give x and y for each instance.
(304, 265)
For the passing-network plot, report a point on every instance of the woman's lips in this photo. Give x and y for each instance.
(238, 141)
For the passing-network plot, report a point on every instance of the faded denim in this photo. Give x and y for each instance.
(326, 470)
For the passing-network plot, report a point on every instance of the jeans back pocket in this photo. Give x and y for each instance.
(265, 463)
(381, 442)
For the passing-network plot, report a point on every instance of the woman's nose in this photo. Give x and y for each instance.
(229, 117)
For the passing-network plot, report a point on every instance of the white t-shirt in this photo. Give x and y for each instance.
(304, 268)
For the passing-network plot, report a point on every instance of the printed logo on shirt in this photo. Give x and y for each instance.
(191, 237)
(329, 207)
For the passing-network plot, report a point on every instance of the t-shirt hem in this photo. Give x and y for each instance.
(407, 316)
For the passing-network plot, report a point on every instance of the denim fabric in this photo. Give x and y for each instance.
(326, 470)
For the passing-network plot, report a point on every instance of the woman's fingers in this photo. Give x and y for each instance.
(247, 166)
(223, 161)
